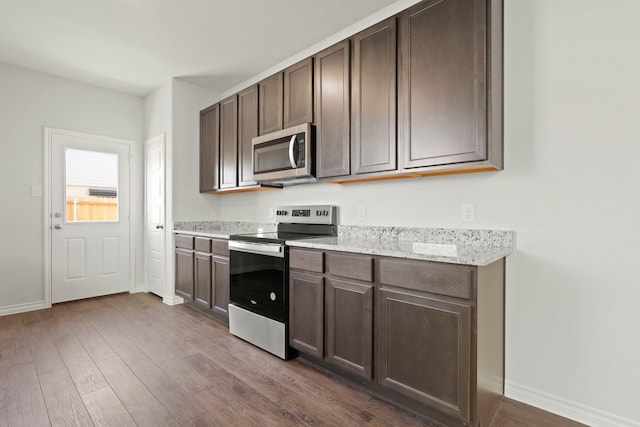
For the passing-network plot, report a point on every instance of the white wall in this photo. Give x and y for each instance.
(188, 100)
(569, 189)
(31, 100)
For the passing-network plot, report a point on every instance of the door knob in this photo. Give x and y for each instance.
(159, 227)
(58, 226)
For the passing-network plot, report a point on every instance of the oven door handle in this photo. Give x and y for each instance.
(267, 249)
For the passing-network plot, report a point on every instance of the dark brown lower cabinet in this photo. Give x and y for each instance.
(349, 314)
(220, 285)
(202, 272)
(184, 273)
(202, 280)
(306, 313)
(425, 349)
(427, 335)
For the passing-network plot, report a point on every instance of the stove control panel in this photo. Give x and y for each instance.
(316, 214)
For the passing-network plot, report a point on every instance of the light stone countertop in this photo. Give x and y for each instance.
(221, 229)
(456, 246)
(465, 254)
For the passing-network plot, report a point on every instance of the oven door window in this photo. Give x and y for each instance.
(258, 284)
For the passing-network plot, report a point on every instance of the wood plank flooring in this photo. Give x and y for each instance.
(130, 360)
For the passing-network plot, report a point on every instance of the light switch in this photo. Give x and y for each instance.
(36, 190)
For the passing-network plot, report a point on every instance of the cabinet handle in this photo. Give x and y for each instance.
(159, 227)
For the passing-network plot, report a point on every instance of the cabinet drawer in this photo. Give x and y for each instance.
(184, 242)
(220, 247)
(350, 266)
(203, 244)
(454, 281)
(307, 260)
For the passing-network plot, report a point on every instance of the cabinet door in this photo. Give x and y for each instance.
(332, 111)
(184, 273)
(425, 350)
(270, 101)
(298, 93)
(202, 279)
(306, 313)
(209, 148)
(349, 314)
(373, 99)
(229, 142)
(247, 130)
(442, 101)
(220, 285)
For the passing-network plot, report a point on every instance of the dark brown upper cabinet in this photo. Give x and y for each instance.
(270, 102)
(209, 148)
(298, 93)
(332, 111)
(247, 130)
(442, 113)
(229, 142)
(373, 99)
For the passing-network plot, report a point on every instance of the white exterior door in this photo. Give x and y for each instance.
(154, 217)
(89, 215)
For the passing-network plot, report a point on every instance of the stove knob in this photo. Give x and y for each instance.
(325, 213)
(318, 213)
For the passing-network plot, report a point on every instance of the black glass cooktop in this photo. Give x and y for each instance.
(273, 237)
(288, 232)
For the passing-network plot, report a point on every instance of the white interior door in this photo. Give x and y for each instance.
(154, 218)
(90, 190)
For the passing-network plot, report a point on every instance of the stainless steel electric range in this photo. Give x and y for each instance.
(259, 270)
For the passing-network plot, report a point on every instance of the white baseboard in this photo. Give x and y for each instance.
(174, 300)
(23, 308)
(566, 408)
(141, 287)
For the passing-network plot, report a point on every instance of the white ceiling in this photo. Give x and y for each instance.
(135, 46)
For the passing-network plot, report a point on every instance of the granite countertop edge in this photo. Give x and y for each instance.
(473, 247)
(476, 255)
(218, 234)
(221, 229)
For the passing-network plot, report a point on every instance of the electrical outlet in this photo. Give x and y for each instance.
(468, 213)
(362, 213)
(36, 191)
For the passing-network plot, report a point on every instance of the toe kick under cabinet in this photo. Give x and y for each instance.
(427, 335)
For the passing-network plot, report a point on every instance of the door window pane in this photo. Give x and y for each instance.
(91, 186)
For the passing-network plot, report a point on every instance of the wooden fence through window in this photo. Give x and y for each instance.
(91, 208)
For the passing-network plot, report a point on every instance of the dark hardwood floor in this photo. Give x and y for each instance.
(127, 360)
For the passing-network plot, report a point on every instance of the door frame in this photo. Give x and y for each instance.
(46, 193)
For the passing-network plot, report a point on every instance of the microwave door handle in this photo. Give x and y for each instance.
(292, 159)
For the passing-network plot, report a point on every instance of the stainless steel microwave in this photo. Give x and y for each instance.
(285, 156)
